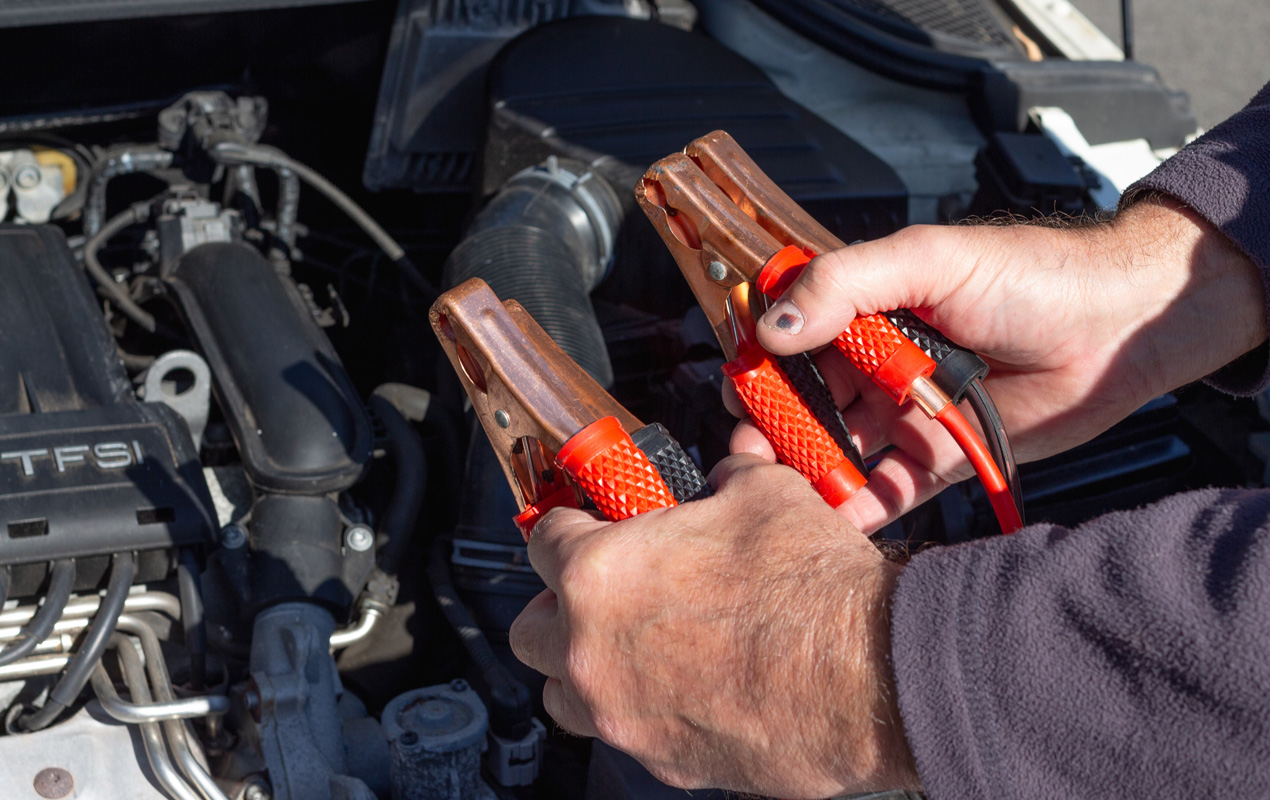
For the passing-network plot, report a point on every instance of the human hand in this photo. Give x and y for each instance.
(738, 642)
(1080, 326)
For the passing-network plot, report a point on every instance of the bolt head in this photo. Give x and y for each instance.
(717, 271)
(359, 538)
(500, 416)
(256, 792)
(27, 177)
(54, 783)
(233, 536)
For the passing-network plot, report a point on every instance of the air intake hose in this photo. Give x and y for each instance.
(546, 240)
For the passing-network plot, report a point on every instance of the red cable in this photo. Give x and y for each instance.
(993, 483)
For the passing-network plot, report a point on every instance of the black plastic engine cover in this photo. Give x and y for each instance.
(85, 470)
(100, 480)
(291, 407)
(55, 351)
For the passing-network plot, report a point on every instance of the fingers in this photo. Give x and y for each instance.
(733, 466)
(555, 537)
(904, 270)
(537, 635)
(747, 438)
(567, 709)
(897, 485)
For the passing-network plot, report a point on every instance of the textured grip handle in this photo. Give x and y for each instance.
(613, 472)
(872, 343)
(955, 367)
(879, 350)
(798, 438)
(675, 466)
(802, 372)
(932, 342)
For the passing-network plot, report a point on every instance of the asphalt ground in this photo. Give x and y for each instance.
(1215, 50)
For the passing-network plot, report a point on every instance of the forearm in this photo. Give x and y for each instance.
(1194, 301)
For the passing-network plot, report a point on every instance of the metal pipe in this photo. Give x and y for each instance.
(189, 754)
(344, 637)
(31, 667)
(162, 602)
(151, 734)
(136, 713)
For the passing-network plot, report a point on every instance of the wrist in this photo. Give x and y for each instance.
(869, 726)
(1198, 301)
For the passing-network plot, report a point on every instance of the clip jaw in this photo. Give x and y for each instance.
(529, 395)
(716, 246)
(756, 195)
(558, 435)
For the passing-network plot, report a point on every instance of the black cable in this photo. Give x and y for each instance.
(4, 585)
(123, 569)
(997, 439)
(41, 625)
(510, 713)
(274, 159)
(192, 617)
(117, 293)
(402, 514)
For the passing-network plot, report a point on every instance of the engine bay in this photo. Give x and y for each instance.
(255, 544)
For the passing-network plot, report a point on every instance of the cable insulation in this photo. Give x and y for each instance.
(993, 482)
(997, 439)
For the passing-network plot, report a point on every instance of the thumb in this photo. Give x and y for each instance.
(905, 270)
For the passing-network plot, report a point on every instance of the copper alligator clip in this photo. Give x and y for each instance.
(729, 227)
(560, 438)
(720, 250)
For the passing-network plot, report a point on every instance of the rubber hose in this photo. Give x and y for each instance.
(545, 240)
(123, 569)
(41, 625)
(402, 514)
(510, 712)
(117, 293)
(192, 617)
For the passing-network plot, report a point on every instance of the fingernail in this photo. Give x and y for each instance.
(784, 317)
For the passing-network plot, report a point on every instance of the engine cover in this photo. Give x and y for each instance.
(85, 470)
(100, 480)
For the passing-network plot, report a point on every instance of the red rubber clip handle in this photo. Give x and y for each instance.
(872, 343)
(798, 438)
(614, 473)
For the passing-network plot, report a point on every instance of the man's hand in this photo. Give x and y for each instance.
(739, 642)
(1081, 326)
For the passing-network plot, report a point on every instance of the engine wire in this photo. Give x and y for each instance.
(998, 440)
(80, 669)
(117, 293)
(59, 593)
(272, 158)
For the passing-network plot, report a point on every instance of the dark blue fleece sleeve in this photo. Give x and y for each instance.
(1129, 657)
(1126, 658)
(1225, 176)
